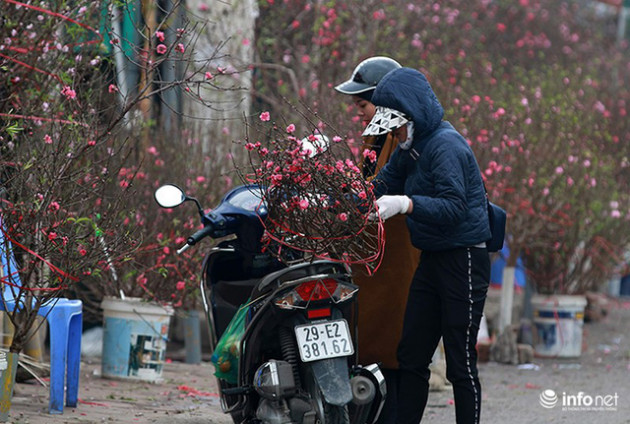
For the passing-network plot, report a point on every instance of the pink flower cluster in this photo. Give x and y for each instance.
(68, 92)
(318, 201)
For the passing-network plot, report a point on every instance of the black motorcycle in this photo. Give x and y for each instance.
(294, 359)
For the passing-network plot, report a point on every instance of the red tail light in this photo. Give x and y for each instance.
(327, 289)
(317, 289)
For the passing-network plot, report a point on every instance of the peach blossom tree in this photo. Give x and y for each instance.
(81, 151)
(539, 88)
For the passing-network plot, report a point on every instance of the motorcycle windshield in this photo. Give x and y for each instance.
(247, 198)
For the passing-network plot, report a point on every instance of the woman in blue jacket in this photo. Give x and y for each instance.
(434, 179)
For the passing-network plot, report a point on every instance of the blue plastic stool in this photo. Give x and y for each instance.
(65, 323)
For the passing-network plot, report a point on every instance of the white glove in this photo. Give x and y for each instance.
(389, 206)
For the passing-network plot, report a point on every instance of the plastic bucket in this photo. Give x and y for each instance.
(135, 333)
(558, 322)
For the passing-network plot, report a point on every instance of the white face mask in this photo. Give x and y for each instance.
(406, 145)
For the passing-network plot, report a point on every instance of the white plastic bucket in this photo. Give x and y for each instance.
(558, 323)
(135, 333)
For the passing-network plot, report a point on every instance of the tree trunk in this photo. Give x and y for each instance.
(507, 287)
(217, 120)
(507, 298)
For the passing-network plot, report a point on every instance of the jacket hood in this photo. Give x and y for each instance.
(408, 91)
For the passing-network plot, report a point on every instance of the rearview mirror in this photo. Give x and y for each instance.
(169, 196)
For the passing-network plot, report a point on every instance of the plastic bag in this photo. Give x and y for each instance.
(226, 354)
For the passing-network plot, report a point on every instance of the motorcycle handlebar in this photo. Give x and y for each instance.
(205, 231)
(195, 238)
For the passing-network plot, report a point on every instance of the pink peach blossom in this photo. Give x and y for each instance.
(69, 93)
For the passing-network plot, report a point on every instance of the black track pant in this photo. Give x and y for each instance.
(446, 300)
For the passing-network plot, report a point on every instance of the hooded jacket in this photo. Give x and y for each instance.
(439, 172)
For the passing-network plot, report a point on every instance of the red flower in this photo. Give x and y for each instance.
(369, 155)
(276, 179)
(379, 15)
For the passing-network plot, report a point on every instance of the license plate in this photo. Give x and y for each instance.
(324, 340)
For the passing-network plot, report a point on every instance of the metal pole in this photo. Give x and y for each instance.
(624, 14)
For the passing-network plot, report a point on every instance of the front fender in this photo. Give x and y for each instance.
(333, 378)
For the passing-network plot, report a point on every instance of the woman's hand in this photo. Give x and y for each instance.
(389, 206)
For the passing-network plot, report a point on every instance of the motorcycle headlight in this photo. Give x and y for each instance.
(274, 380)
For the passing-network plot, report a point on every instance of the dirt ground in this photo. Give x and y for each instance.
(187, 394)
(511, 393)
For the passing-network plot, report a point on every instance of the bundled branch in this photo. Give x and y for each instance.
(318, 200)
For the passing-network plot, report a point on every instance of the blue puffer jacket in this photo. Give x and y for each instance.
(439, 172)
